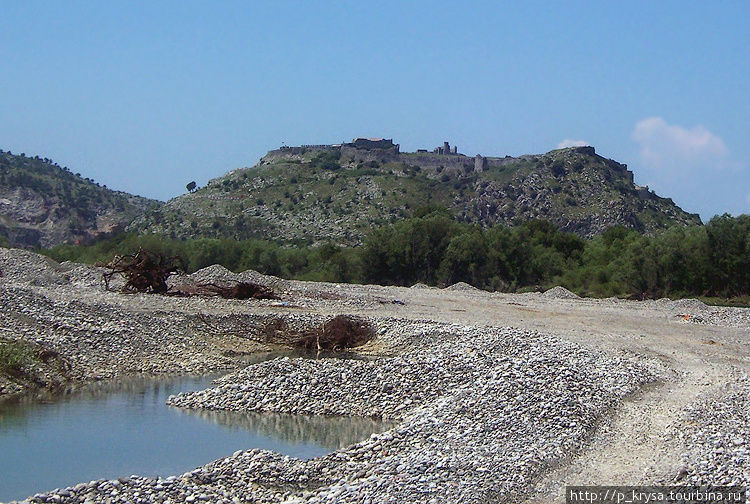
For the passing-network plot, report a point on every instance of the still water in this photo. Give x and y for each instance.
(108, 430)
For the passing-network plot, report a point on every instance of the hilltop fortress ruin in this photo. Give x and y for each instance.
(444, 159)
(441, 160)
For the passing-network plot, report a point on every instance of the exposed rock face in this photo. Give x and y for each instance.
(338, 193)
(42, 205)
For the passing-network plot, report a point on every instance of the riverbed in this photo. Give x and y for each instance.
(114, 429)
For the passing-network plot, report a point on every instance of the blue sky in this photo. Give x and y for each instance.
(145, 97)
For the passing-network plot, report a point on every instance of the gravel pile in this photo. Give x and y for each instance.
(727, 316)
(22, 266)
(716, 436)
(696, 312)
(259, 278)
(689, 304)
(289, 290)
(462, 286)
(218, 273)
(560, 293)
(420, 285)
(213, 273)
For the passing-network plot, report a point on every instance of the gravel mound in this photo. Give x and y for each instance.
(727, 316)
(261, 279)
(462, 286)
(420, 285)
(213, 273)
(22, 266)
(560, 292)
(689, 304)
(218, 274)
(694, 311)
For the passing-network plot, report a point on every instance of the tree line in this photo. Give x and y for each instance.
(431, 247)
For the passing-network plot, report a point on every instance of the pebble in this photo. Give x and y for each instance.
(477, 412)
(716, 437)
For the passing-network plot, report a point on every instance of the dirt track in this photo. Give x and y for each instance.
(636, 445)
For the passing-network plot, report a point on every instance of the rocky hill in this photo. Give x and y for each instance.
(339, 192)
(42, 204)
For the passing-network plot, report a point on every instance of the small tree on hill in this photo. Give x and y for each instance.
(191, 186)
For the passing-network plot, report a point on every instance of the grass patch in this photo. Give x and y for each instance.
(15, 356)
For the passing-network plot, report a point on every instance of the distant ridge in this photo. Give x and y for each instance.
(42, 204)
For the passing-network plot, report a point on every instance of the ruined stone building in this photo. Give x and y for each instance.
(446, 149)
(480, 163)
(374, 143)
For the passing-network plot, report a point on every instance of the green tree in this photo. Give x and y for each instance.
(465, 260)
(729, 242)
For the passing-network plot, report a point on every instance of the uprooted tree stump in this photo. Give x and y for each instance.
(144, 271)
(335, 334)
(338, 333)
(148, 271)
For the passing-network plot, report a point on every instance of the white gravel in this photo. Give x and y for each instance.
(715, 434)
(481, 410)
(559, 292)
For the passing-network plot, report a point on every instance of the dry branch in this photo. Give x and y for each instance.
(147, 271)
(241, 290)
(336, 334)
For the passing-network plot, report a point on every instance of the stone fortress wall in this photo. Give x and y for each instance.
(439, 162)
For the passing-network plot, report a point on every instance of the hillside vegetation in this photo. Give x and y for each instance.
(313, 195)
(432, 248)
(42, 204)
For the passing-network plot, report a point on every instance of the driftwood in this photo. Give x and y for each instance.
(335, 334)
(240, 290)
(144, 271)
(147, 271)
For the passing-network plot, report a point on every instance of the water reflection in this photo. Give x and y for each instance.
(110, 429)
(330, 432)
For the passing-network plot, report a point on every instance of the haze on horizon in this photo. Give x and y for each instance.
(145, 98)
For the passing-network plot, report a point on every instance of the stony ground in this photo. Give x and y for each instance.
(494, 397)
